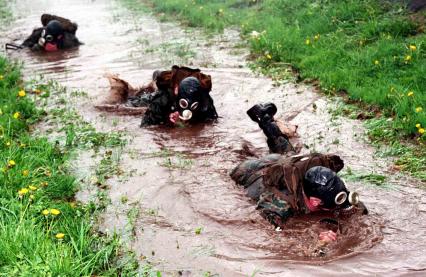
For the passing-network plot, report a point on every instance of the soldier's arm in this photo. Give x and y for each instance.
(33, 38)
(70, 41)
(274, 209)
(158, 110)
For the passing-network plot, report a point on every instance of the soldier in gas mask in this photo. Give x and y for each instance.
(57, 33)
(179, 95)
(285, 187)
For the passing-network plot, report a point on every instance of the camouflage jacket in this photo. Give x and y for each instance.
(276, 182)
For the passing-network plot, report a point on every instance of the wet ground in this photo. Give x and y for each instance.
(177, 179)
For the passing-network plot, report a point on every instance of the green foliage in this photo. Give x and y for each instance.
(5, 13)
(33, 179)
(390, 141)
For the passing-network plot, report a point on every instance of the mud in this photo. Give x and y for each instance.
(192, 218)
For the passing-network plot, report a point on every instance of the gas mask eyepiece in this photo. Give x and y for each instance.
(340, 198)
(353, 198)
(183, 103)
(49, 38)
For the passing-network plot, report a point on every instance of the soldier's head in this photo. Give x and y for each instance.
(51, 35)
(326, 190)
(189, 98)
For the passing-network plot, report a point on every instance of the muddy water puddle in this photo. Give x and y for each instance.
(191, 218)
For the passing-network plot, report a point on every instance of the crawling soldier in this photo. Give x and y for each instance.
(286, 186)
(57, 33)
(291, 186)
(181, 94)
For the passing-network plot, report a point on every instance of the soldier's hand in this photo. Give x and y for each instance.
(328, 236)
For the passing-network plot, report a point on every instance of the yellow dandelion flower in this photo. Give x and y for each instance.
(23, 191)
(17, 115)
(413, 48)
(421, 131)
(21, 93)
(32, 187)
(55, 211)
(418, 125)
(317, 37)
(1, 77)
(419, 109)
(59, 235)
(307, 41)
(8, 143)
(268, 56)
(408, 58)
(45, 212)
(376, 62)
(410, 93)
(11, 163)
(25, 172)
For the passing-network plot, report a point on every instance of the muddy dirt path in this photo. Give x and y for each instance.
(177, 179)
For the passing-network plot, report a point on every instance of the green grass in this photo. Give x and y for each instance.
(361, 48)
(34, 178)
(5, 14)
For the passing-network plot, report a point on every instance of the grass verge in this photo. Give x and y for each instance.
(43, 231)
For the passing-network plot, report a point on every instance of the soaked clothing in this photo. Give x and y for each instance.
(68, 39)
(163, 102)
(276, 182)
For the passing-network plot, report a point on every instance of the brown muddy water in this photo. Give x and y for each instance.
(177, 179)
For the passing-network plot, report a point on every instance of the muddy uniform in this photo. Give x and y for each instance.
(165, 100)
(60, 30)
(276, 182)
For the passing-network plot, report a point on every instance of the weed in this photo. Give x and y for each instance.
(172, 53)
(124, 199)
(177, 162)
(132, 216)
(371, 178)
(198, 230)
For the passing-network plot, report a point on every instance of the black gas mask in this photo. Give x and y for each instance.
(51, 36)
(324, 184)
(188, 98)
